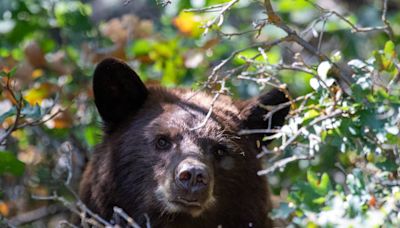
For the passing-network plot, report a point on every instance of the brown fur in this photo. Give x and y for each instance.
(126, 170)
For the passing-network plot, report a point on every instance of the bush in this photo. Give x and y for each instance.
(334, 163)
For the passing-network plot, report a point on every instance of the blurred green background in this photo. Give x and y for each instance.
(49, 48)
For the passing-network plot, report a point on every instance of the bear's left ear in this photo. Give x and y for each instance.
(253, 112)
(118, 91)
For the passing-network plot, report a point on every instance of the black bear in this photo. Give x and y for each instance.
(159, 162)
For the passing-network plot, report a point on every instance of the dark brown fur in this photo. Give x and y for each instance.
(126, 170)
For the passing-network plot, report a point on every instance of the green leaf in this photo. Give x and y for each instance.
(325, 184)
(320, 186)
(247, 54)
(12, 111)
(141, 47)
(92, 135)
(310, 115)
(319, 200)
(10, 164)
(312, 179)
(31, 111)
(389, 49)
(283, 212)
(292, 5)
(387, 165)
(8, 74)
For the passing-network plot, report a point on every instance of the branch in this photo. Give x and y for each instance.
(34, 215)
(126, 217)
(282, 163)
(312, 123)
(209, 113)
(344, 78)
(220, 16)
(15, 124)
(354, 28)
(266, 45)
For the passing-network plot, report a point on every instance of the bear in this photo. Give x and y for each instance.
(174, 157)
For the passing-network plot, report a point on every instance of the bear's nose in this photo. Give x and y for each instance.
(192, 176)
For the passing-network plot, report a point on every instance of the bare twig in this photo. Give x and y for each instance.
(148, 225)
(354, 28)
(344, 79)
(258, 131)
(34, 215)
(282, 163)
(6, 223)
(266, 45)
(66, 223)
(208, 9)
(15, 124)
(209, 113)
(126, 217)
(19, 105)
(315, 121)
(41, 120)
(220, 16)
(389, 28)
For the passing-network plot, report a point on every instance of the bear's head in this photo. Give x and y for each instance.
(175, 154)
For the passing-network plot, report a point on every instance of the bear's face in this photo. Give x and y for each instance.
(187, 161)
(167, 154)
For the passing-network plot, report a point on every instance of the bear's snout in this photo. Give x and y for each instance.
(192, 176)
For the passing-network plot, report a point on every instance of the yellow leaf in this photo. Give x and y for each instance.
(4, 210)
(37, 73)
(39, 93)
(189, 24)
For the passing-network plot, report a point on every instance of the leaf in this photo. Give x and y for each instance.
(356, 63)
(189, 24)
(12, 111)
(312, 179)
(325, 184)
(31, 111)
(247, 54)
(389, 49)
(92, 134)
(292, 5)
(10, 164)
(387, 165)
(320, 186)
(141, 47)
(323, 69)
(310, 115)
(37, 94)
(283, 212)
(319, 200)
(8, 73)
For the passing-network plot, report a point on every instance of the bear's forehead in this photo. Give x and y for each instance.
(178, 119)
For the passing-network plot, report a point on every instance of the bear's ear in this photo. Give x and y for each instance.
(253, 111)
(118, 91)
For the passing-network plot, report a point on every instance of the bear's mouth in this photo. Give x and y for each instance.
(189, 203)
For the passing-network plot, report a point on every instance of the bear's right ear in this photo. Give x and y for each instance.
(118, 91)
(254, 111)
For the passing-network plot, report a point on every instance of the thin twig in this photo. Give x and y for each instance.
(15, 124)
(282, 163)
(126, 217)
(220, 16)
(210, 111)
(312, 123)
(355, 28)
(344, 79)
(30, 216)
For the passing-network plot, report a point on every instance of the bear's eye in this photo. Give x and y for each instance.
(163, 143)
(220, 151)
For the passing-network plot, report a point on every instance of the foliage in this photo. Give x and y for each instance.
(335, 163)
